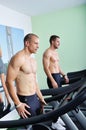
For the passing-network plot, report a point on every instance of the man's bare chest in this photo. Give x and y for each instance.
(28, 67)
(54, 58)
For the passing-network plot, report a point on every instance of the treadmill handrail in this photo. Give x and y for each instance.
(48, 116)
(64, 90)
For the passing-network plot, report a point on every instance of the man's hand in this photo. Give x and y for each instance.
(21, 108)
(43, 102)
(66, 79)
(42, 105)
(54, 84)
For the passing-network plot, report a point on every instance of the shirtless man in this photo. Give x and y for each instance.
(51, 64)
(22, 69)
(54, 72)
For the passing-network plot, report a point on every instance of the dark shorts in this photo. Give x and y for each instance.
(57, 78)
(33, 102)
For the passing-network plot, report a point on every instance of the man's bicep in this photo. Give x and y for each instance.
(46, 61)
(12, 73)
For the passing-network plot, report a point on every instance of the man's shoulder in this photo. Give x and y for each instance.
(47, 52)
(20, 54)
(17, 58)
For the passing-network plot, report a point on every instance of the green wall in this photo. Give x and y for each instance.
(70, 25)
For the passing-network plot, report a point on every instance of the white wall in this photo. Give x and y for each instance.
(12, 18)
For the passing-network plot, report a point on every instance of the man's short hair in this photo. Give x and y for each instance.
(29, 36)
(53, 38)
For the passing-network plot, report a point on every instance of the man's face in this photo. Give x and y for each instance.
(56, 43)
(33, 44)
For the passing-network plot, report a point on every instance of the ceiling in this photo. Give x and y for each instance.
(37, 7)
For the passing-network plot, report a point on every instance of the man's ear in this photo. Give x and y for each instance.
(27, 43)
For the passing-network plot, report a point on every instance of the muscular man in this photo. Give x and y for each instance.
(22, 69)
(51, 64)
(54, 72)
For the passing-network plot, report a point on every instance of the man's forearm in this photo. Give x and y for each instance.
(49, 75)
(12, 92)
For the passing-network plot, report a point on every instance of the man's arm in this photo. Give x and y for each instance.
(46, 61)
(64, 75)
(41, 98)
(12, 72)
(39, 94)
(0, 52)
(5, 87)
